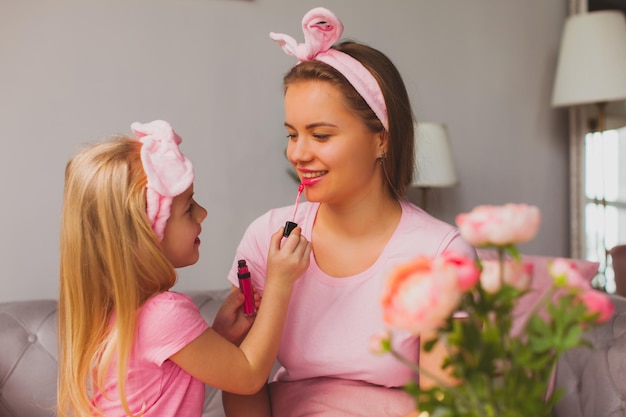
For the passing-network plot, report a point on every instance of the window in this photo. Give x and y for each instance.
(604, 199)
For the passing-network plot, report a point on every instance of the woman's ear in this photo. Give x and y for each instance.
(382, 143)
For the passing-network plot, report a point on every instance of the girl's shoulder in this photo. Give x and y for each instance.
(170, 308)
(166, 302)
(168, 322)
(169, 296)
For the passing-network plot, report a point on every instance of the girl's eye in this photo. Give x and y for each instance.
(291, 136)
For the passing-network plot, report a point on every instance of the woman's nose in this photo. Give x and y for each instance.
(298, 151)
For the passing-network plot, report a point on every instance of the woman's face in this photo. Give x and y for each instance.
(333, 151)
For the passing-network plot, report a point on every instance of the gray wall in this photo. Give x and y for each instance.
(73, 71)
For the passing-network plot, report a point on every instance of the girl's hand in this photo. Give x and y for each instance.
(230, 322)
(286, 262)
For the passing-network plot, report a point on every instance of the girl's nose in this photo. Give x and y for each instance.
(202, 213)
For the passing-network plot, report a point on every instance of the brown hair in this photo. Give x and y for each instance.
(400, 161)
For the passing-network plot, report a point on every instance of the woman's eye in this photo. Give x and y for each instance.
(321, 136)
(291, 136)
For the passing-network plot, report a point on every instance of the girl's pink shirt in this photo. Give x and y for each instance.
(156, 385)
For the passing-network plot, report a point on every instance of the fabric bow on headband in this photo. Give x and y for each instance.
(321, 30)
(168, 171)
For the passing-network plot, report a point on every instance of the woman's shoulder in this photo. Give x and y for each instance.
(429, 234)
(416, 217)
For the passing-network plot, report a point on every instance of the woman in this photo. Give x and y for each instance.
(350, 128)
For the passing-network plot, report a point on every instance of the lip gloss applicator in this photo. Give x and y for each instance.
(291, 224)
(246, 287)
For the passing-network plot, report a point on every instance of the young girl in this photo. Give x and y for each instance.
(128, 345)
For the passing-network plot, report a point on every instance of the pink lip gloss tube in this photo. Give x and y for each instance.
(245, 285)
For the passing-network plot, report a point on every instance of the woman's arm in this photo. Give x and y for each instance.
(256, 405)
(430, 363)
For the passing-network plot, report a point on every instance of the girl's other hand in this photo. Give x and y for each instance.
(230, 322)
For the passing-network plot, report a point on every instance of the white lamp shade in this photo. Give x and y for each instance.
(592, 59)
(434, 165)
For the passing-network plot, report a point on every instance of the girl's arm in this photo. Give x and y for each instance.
(245, 369)
(256, 405)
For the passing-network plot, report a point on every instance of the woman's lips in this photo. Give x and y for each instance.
(310, 181)
(310, 178)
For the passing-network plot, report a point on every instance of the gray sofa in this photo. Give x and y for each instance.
(594, 380)
(28, 356)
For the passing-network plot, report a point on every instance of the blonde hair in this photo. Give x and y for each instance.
(111, 262)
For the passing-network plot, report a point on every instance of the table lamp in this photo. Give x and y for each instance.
(591, 67)
(434, 165)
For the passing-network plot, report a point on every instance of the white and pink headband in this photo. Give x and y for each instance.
(168, 171)
(321, 30)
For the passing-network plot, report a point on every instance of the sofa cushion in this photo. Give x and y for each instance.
(28, 369)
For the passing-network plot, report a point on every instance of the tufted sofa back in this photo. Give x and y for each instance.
(594, 379)
(28, 356)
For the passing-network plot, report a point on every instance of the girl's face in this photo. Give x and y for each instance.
(181, 240)
(332, 150)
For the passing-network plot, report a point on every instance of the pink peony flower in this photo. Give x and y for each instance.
(483, 331)
(499, 225)
(515, 273)
(420, 295)
(598, 302)
(566, 274)
(468, 273)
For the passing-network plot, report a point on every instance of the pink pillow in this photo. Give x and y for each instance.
(540, 283)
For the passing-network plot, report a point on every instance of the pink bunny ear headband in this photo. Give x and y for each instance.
(168, 171)
(321, 30)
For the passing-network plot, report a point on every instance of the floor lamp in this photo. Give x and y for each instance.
(591, 70)
(434, 165)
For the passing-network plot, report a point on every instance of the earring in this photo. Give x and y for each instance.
(382, 158)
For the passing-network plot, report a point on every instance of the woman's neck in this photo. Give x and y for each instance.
(363, 217)
(347, 239)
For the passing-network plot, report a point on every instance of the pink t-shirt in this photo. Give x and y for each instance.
(330, 321)
(156, 385)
